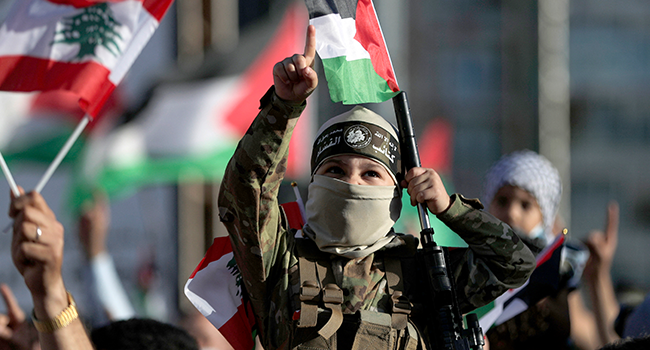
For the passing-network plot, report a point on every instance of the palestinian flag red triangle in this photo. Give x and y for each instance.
(351, 46)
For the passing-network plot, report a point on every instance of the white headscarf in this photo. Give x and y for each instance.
(531, 172)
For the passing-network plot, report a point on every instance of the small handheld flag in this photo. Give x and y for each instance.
(543, 282)
(216, 289)
(351, 46)
(82, 46)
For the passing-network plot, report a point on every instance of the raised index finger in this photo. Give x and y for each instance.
(310, 45)
(611, 228)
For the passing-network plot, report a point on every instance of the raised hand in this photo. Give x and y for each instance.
(37, 252)
(294, 77)
(38, 257)
(602, 245)
(15, 332)
(93, 225)
(597, 275)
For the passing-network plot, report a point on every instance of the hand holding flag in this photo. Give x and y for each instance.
(294, 77)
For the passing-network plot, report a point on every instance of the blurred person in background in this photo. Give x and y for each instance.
(142, 334)
(110, 302)
(524, 190)
(107, 299)
(598, 279)
(614, 320)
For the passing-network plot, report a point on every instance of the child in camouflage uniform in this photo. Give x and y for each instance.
(347, 280)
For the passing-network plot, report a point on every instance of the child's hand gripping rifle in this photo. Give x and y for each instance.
(445, 322)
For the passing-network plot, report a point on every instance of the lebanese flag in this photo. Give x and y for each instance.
(351, 46)
(543, 282)
(215, 288)
(81, 46)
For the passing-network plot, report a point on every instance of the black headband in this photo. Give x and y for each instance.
(356, 137)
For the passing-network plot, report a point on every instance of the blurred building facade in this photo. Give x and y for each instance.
(476, 64)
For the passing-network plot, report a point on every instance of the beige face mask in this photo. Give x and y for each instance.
(349, 220)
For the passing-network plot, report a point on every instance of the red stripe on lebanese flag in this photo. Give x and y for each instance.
(548, 251)
(214, 290)
(157, 8)
(370, 36)
(62, 45)
(91, 81)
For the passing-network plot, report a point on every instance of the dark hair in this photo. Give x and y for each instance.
(641, 343)
(142, 334)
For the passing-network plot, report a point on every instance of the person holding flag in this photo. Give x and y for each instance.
(523, 189)
(346, 280)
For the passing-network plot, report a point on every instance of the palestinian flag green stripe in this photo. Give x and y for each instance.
(120, 181)
(345, 77)
(351, 45)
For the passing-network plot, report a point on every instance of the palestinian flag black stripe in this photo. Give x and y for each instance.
(351, 46)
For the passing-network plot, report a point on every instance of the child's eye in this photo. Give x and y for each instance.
(526, 205)
(372, 173)
(334, 170)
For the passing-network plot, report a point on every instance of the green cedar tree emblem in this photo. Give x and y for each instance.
(95, 26)
(234, 270)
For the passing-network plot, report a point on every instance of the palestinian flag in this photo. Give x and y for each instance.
(188, 131)
(44, 124)
(84, 47)
(543, 282)
(351, 46)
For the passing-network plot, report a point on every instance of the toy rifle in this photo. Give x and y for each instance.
(444, 320)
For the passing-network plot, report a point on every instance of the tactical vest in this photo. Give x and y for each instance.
(320, 323)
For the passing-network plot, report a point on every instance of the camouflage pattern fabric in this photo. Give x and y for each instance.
(263, 244)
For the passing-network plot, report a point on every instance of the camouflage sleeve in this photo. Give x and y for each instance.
(248, 204)
(496, 260)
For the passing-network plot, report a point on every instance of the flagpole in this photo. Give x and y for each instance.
(12, 184)
(50, 170)
(10, 178)
(62, 153)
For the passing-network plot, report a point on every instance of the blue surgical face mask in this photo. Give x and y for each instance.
(537, 232)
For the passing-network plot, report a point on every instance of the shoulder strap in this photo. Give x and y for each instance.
(317, 283)
(401, 306)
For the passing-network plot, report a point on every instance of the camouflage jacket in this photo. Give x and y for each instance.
(263, 244)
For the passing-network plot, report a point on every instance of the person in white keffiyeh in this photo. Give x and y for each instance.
(523, 189)
(529, 180)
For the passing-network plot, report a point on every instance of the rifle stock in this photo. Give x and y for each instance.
(445, 322)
